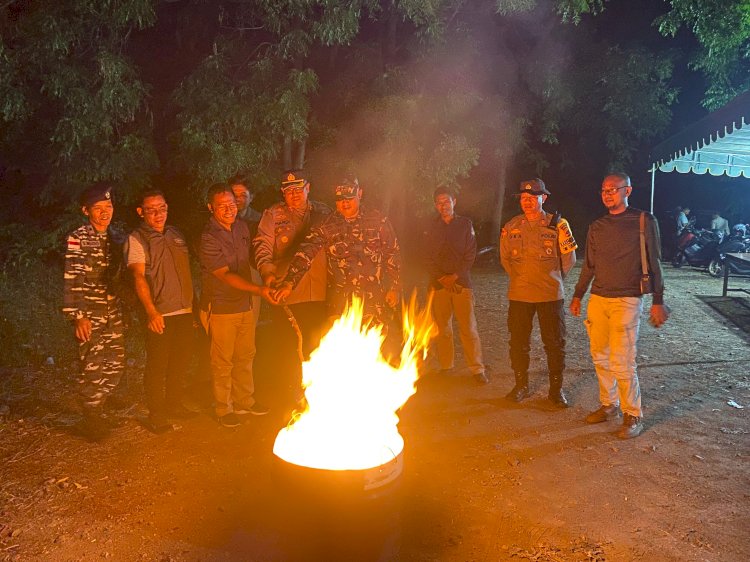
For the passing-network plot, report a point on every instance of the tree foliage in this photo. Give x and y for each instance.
(73, 105)
(722, 28)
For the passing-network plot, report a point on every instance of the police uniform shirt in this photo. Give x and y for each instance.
(280, 232)
(530, 254)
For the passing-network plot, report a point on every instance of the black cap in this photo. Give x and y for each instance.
(534, 187)
(100, 191)
(347, 188)
(294, 178)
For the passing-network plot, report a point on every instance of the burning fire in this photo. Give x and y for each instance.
(353, 394)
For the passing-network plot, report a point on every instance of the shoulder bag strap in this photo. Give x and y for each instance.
(644, 262)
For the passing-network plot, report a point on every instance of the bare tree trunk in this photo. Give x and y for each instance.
(497, 216)
(389, 40)
(300, 161)
(287, 155)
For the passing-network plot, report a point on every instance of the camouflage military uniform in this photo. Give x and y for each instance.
(363, 259)
(92, 264)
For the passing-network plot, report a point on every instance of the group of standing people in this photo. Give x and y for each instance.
(308, 261)
(301, 257)
(621, 263)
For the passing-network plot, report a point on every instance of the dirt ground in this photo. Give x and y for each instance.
(484, 479)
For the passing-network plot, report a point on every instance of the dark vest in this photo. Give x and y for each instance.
(167, 268)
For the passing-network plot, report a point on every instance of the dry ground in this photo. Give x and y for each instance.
(484, 479)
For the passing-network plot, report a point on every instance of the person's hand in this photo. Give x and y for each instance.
(156, 323)
(281, 293)
(575, 306)
(391, 298)
(269, 280)
(659, 315)
(268, 294)
(448, 280)
(83, 329)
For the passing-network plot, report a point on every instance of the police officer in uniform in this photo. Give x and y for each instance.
(537, 250)
(282, 228)
(362, 253)
(93, 261)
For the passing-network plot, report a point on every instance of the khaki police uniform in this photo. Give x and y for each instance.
(536, 257)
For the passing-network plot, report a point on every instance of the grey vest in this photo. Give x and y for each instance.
(167, 268)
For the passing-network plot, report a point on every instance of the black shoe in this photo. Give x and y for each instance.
(230, 420)
(158, 424)
(256, 409)
(181, 413)
(481, 378)
(558, 398)
(518, 393)
(93, 428)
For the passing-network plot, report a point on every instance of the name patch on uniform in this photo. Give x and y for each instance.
(515, 233)
(548, 235)
(91, 243)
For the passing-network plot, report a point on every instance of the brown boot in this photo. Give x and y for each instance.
(603, 414)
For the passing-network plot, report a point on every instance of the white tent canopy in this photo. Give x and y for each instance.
(718, 144)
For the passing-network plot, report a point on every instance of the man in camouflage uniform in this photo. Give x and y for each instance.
(362, 254)
(92, 264)
(537, 250)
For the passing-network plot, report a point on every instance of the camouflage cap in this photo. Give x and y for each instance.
(534, 187)
(100, 191)
(294, 178)
(346, 189)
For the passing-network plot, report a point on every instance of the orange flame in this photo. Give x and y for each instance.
(353, 394)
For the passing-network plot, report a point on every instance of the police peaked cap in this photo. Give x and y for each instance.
(534, 187)
(294, 178)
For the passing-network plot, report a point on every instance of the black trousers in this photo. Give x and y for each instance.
(168, 358)
(311, 318)
(551, 327)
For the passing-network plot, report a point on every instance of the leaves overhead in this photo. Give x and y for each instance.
(93, 89)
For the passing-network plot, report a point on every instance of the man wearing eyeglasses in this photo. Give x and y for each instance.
(157, 256)
(282, 228)
(226, 307)
(537, 250)
(362, 254)
(613, 269)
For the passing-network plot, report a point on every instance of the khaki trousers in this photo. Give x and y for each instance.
(446, 305)
(232, 353)
(613, 324)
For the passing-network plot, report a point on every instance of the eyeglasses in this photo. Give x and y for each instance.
(153, 211)
(613, 190)
(292, 189)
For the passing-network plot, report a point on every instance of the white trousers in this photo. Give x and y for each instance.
(613, 324)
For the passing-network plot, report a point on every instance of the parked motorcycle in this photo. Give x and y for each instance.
(737, 242)
(696, 247)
